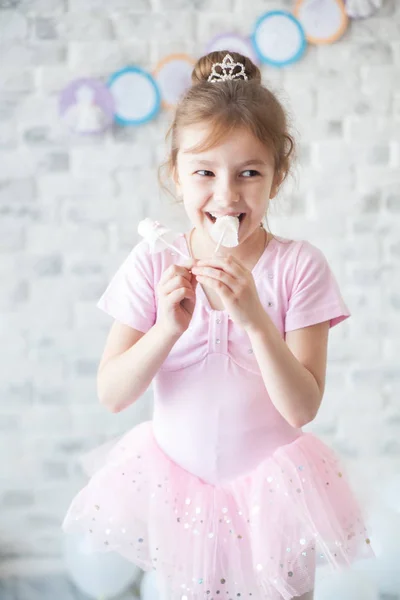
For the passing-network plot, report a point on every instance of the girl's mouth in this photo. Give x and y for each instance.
(241, 217)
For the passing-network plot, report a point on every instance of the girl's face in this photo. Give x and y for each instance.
(234, 178)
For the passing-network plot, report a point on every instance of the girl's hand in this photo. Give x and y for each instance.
(176, 292)
(235, 286)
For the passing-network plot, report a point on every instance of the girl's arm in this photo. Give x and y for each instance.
(131, 358)
(293, 370)
(130, 362)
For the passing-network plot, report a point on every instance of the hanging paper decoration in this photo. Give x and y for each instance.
(234, 43)
(361, 9)
(278, 38)
(136, 96)
(324, 21)
(86, 106)
(173, 77)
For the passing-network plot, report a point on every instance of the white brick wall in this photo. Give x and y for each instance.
(69, 208)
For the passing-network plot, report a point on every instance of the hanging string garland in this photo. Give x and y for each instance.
(279, 38)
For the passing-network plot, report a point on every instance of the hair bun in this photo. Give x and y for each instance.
(203, 67)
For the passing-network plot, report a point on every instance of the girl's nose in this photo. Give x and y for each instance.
(226, 195)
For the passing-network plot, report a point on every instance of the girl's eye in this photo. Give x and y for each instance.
(203, 171)
(254, 173)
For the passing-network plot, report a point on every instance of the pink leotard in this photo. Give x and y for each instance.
(212, 412)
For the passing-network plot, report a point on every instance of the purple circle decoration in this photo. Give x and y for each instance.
(87, 106)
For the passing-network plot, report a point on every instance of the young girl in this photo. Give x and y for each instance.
(222, 493)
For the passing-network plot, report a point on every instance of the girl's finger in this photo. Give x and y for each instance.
(229, 265)
(217, 274)
(180, 294)
(173, 271)
(219, 286)
(174, 284)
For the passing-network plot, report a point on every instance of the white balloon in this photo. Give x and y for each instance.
(390, 493)
(97, 574)
(346, 585)
(149, 587)
(384, 529)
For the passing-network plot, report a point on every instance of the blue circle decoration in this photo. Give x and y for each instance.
(292, 56)
(131, 77)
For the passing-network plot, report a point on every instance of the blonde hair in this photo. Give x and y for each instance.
(228, 105)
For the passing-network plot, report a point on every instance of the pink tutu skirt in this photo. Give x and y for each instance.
(259, 536)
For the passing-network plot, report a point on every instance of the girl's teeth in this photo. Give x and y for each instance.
(218, 216)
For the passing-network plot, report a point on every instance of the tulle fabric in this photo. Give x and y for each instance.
(258, 536)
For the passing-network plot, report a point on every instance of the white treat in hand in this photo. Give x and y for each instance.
(158, 236)
(225, 231)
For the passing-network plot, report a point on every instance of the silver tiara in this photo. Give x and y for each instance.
(227, 67)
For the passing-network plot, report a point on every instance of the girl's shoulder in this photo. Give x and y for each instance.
(294, 254)
(297, 260)
(289, 248)
(304, 280)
